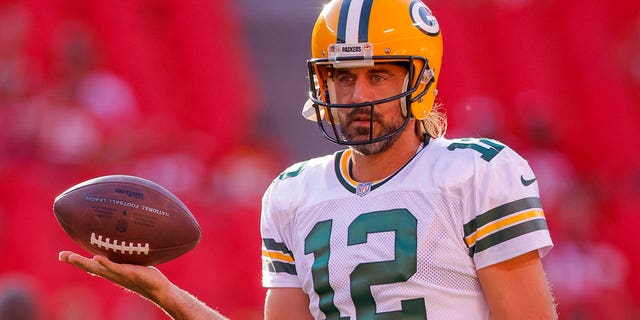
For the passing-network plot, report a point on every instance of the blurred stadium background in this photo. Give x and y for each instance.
(204, 97)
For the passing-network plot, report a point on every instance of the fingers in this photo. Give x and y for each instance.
(112, 267)
(64, 255)
(104, 261)
(84, 263)
(69, 256)
(143, 280)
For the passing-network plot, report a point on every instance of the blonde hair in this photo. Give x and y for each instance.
(434, 125)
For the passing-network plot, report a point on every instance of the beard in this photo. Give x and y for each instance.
(385, 128)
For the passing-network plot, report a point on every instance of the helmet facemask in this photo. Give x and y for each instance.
(321, 108)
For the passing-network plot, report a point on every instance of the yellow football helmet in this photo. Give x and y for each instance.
(359, 33)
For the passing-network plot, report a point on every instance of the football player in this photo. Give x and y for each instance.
(403, 223)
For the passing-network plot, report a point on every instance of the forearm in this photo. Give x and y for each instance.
(148, 282)
(518, 289)
(181, 305)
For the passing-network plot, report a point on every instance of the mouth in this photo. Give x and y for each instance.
(359, 126)
(360, 121)
(360, 118)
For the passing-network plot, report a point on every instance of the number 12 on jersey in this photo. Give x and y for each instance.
(400, 221)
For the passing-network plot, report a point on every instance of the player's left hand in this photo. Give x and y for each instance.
(146, 281)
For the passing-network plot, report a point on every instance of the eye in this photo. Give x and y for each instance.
(344, 79)
(377, 78)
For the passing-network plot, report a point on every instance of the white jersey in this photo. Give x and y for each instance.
(407, 246)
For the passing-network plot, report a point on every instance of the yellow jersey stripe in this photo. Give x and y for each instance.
(277, 256)
(344, 168)
(503, 223)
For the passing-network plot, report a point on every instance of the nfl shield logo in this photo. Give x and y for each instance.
(363, 189)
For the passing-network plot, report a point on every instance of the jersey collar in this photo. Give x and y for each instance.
(344, 167)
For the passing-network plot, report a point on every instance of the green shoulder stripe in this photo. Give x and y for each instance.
(292, 171)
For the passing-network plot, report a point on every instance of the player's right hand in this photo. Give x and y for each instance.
(149, 282)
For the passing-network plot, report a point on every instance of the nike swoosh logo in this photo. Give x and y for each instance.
(526, 182)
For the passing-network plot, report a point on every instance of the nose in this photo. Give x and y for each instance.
(362, 91)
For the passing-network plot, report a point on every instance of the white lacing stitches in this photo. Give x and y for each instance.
(122, 247)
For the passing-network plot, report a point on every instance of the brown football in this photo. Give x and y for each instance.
(128, 219)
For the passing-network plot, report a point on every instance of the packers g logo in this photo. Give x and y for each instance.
(423, 19)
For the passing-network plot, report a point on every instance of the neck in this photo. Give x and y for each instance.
(381, 165)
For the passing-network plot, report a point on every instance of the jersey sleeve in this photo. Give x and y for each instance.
(278, 263)
(505, 218)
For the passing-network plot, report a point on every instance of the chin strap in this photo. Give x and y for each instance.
(403, 101)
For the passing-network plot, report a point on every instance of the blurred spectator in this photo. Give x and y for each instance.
(589, 274)
(242, 176)
(181, 172)
(83, 104)
(533, 114)
(76, 110)
(75, 301)
(19, 298)
(622, 222)
(630, 53)
(18, 78)
(81, 119)
(476, 116)
(18, 73)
